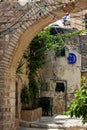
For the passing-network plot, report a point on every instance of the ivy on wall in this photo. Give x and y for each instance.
(35, 59)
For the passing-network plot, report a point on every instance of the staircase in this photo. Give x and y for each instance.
(57, 122)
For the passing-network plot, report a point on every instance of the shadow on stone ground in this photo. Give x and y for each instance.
(57, 122)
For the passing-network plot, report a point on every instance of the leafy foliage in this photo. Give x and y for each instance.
(35, 59)
(78, 107)
(25, 97)
(35, 54)
(53, 41)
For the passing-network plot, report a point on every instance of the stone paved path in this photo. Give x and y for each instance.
(59, 122)
(23, 128)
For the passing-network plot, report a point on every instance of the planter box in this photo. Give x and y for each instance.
(31, 115)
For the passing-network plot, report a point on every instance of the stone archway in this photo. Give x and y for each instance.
(11, 51)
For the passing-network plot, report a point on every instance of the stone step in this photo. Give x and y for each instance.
(59, 122)
(23, 128)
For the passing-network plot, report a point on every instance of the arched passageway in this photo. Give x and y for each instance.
(12, 47)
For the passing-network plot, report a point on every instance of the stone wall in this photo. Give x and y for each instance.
(31, 115)
(59, 71)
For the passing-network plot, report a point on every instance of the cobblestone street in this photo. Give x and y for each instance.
(59, 122)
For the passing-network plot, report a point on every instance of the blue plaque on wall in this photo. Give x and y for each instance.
(72, 58)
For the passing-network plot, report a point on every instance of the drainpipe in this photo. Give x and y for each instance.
(65, 95)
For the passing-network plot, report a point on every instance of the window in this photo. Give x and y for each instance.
(60, 52)
(60, 87)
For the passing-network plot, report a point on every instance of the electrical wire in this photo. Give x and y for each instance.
(24, 12)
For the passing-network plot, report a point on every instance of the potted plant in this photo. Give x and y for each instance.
(30, 111)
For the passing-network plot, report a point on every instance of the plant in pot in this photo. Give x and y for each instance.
(35, 58)
(29, 95)
(25, 97)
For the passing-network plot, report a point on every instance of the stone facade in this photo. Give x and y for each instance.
(31, 115)
(83, 49)
(58, 73)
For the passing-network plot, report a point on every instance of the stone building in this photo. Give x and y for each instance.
(60, 79)
(83, 48)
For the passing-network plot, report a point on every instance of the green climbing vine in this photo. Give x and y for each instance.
(53, 41)
(35, 59)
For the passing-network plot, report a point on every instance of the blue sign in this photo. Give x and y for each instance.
(72, 58)
(9, 30)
